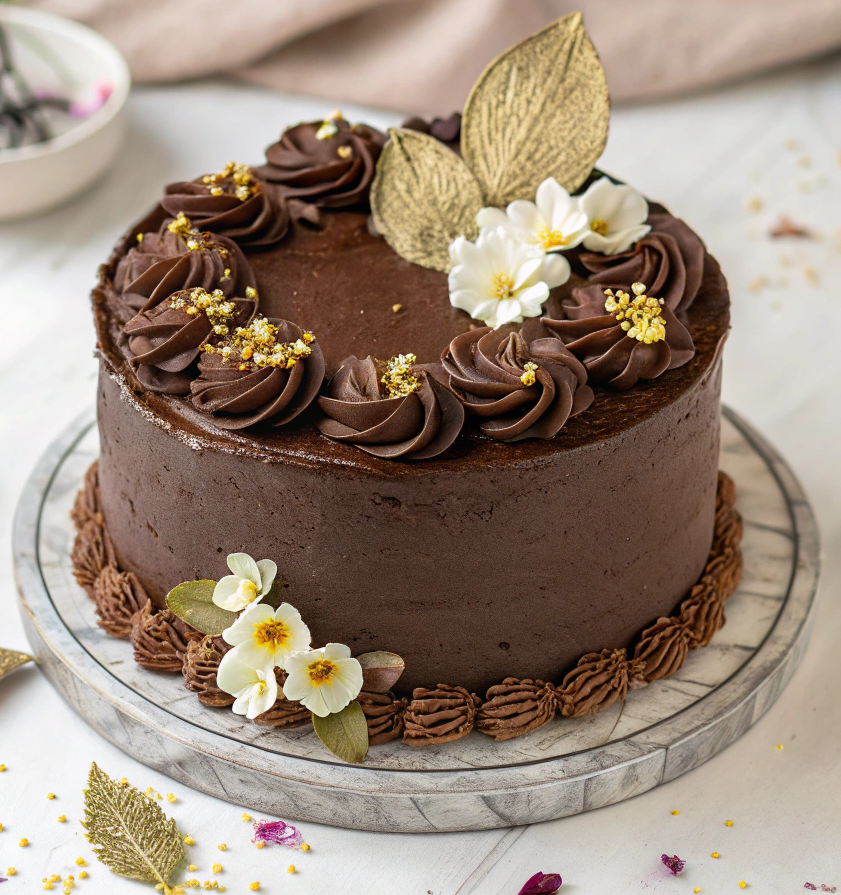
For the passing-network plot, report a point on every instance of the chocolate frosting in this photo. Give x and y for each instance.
(439, 715)
(416, 426)
(234, 203)
(239, 393)
(384, 716)
(92, 552)
(330, 170)
(285, 713)
(664, 646)
(611, 357)
(160, 639)
(163, 340)
(118, 596)
(669, 260)
(163, 263)
(515, 389)
(599, 680)
(201, 664)
(516, 707)
(87, 506)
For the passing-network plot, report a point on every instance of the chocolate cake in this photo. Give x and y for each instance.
(474, 420)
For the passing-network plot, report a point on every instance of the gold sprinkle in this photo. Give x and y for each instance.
(742, 884)
(23, 843)
(1, 828)
(398, 379)
(81, 862)
(779, 747)
(696, 890)
(811, 275)
(233, 180)
(640, 316)
(50, 795)
(170, 797)
(218, 309)
(48, 885)
(344, 152)
(246, 817)
(290, 868)
(140, 237)
(755, 204)
(675, 812)
(217, 868)
(728, 823)
(255, 886)
(305, 846)
(188, 840)
(55, 878)
(83, 874)
(528, 378)
(715, 854)
(222, 847)
(192, 867)
(396, 309)
(261, 845)
(62, 818)
(250, 292)
(257, 346)
(2, 768)
(11, 871)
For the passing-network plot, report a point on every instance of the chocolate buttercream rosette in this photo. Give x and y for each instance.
(176, 257)
(234, 202)
(163, 341)
(395, 410)
(620, 338)
(327, 163)
(669, 259)
(515, 389)
(267, 372)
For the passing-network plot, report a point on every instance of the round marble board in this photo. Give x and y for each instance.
(566, 767)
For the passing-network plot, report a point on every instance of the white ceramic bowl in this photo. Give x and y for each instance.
(35, 178)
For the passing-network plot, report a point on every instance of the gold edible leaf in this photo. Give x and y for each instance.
(192, 602)
(129, 832)
(423, 197)
(539, 110)
(11, 659)
(344, 733)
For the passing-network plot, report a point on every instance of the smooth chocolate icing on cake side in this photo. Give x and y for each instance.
(492, 560)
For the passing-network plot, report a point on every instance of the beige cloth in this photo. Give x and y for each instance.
(423, 55)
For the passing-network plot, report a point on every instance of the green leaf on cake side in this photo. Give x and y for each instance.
(344, 733)
(193, 603)
(380, 670)
(539, 110)
(129, 832)
(423, 197)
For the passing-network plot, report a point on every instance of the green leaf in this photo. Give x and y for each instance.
(131, 835)
(344, 733)
(193, 603)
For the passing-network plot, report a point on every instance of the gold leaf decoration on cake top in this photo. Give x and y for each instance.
(423, 197)
(10, 660)
(539, 110)
(129, 832)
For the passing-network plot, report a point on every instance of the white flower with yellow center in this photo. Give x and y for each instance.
(255, 687)
(250, 582)
(553, 221)
(324, 680)
(268, 636)
(616, 216)
(500, 280)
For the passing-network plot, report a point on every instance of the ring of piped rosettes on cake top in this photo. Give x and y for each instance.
(555, 297)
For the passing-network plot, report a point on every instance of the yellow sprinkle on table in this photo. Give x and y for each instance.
(261, 845)
(290, 868)
(742, 884)
(696, 890)
(192, 868)
(2, 768)
(81, 862)
(62, 818)
(123, 781)
(715, 854)
(217, 868)
(779, 747)
(255, 887)
(728, 823)
(23, 843)
(1, 828)
(675, 812)
(11, 871)
(51, 796)
(222, 846)
(170, 797)
(55, 878)
(83, 874)
(305, 846)
(48, 885)
(246, 817)
(188, 840)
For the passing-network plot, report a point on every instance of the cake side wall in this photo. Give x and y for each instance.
(469, 574)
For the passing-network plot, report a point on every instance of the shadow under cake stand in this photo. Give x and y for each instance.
(566, 767)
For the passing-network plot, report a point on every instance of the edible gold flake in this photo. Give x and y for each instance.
(250, 292)
(528, 378)
(398, 379)
(215, 305)
(640, 316)
(140, 237)
(233, 180)
(255, 346)
(329, 128)
(396, 309)
(344, 152)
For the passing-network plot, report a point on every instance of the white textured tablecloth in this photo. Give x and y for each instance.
(712, 159)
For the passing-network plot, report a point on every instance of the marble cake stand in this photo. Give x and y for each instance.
(564, 768)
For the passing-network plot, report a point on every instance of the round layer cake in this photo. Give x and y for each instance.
(491, 559)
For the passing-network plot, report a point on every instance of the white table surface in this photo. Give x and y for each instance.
(709, 158)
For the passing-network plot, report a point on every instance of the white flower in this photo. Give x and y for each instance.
(267, 636)
(616, 217)
(250, 582)
(255, 688)
(554, 220)
(499, 280)
(324, 680)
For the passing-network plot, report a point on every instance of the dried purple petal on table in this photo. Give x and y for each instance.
(278, 832)
(810, 886)
(542, 884)
(674, 863)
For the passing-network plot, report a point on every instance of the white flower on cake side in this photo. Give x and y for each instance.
(554, 221)
(250, 582)
(255, 688)
(500, 280)
(265, 636)
(616, 216)
(324, 680)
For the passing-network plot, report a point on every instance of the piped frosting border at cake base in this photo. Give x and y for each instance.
(435, 714)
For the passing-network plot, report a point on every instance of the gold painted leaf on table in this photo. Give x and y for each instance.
(129, 832)
(11, 659)
(423, 197)
(539, 110)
